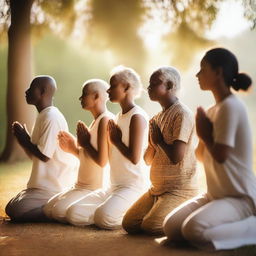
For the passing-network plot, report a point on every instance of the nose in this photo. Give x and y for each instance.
(108, 90)
(80, 98)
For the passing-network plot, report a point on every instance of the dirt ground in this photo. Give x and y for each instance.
(53, 239)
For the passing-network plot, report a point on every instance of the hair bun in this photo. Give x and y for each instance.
(241, 82)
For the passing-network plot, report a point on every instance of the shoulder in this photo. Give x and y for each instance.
(138, 111)
(183, 111)
(232, 105)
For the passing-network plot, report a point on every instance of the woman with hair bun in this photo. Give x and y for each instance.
(224, 217)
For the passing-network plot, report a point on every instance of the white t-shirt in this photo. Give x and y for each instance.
(123, 173)
(58, 172)
(90, 174)
(234, 177)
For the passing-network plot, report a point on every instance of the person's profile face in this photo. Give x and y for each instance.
(206, 75)
(156, 87)
(116, 90)
(87, 98)
(33, 93)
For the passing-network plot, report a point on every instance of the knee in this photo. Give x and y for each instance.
(14, 210)
(192, 229)
(58, 212)
(130, 225)
(104, 219)
(47, 210)
(172, 228)
(77, 217)
(152, 226)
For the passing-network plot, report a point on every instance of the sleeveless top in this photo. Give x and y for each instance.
(123, 173)
(90, 173)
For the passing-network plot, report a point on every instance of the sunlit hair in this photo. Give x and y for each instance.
(169, 74)
(128, 76)
(98, 86)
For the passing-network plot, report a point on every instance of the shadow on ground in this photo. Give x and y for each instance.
(54, 239)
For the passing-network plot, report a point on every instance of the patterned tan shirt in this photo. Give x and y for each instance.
(175, 123)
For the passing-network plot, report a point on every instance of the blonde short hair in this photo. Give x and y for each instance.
(99, 86)
(170, 74)
(128, 76)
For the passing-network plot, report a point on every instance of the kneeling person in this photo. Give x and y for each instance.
(170, 153)
(52, 169)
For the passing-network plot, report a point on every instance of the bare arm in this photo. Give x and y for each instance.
(136, 133)
(67, 143)
(100, 156)
(24, 140)
(204, 128)
(175, 151)
(199, 151)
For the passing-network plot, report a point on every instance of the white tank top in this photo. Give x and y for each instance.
(90, 173)
(123, 173)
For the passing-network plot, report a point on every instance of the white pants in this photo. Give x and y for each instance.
(104, 208)
(219, 224)
(28, 204)
(56, 208)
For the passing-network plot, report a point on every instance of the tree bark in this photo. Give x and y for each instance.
(19, 76)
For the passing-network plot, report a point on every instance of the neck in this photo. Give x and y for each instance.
(97, 111)
(221, 93)
(42, 105)
(167, 102)
(126, 105)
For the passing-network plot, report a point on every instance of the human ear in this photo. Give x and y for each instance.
(169, 85)
(96, 96)
(127, 86)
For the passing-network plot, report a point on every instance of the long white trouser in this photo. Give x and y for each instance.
(104, 208)
(28, 205)
(56, 208)
(222, 224)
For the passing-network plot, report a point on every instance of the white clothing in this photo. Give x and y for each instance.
(89, 178)
(90, 174)
(28, 205)
(225, 217)
(56, 207)
(58, 172)
(234, 177)
(106, 208)
(225, 223)
(123, 173)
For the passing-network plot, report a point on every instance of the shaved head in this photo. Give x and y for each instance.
(47, 84)
(41, 92)
(98, 86)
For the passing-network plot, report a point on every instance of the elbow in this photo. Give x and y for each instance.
(135, 160)
(45, 159)
(220, 159)
(102, 162)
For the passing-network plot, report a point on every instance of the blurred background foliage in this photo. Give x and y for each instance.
(78, 40)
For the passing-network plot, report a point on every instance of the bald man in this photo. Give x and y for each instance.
(52, 169)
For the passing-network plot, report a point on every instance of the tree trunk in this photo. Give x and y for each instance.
(19, 76)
